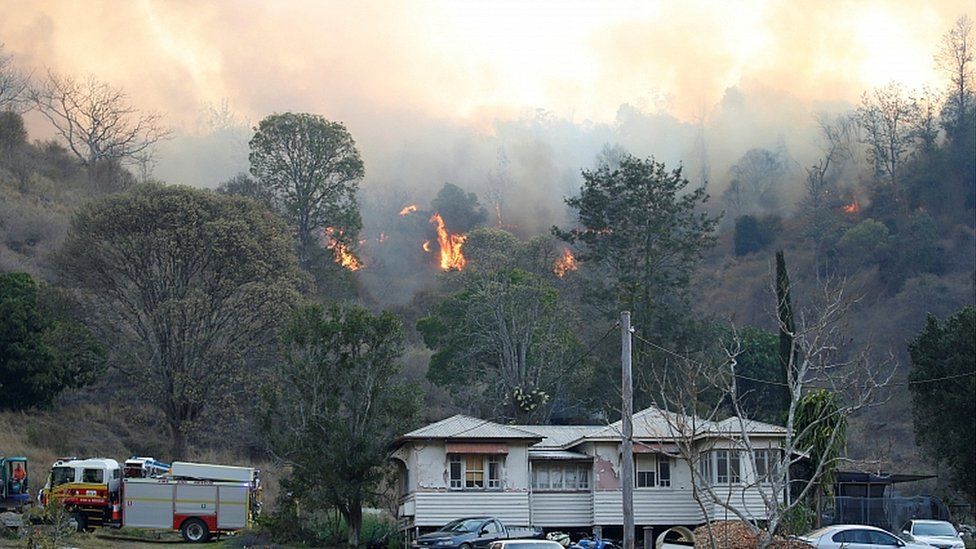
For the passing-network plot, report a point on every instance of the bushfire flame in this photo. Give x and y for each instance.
(342, 254)
(450, 244)
(851, 208)
(407, 210)
(565, 263)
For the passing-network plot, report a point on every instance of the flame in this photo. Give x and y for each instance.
(851, 208)
(343, 256)
(450, 244)
(565, 263)
(427, 246)
(407, 210)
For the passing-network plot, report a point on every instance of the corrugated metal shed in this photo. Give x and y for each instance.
(465, 427)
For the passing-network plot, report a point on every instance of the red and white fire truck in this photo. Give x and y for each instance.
(197, 499)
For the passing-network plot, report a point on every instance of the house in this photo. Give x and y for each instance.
(567, 477)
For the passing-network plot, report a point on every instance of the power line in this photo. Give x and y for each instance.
(781, 384)
(592, 347)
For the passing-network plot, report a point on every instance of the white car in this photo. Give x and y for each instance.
(526, 544)
(857, 536)
(937, 533)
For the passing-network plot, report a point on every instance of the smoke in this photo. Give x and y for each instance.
(507, 99)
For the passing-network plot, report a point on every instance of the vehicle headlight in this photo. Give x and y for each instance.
(444, 542)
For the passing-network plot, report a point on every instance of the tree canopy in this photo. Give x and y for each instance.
(188, 284)
(312, 168)
(335, 404)
(41, 352)
(943, 386)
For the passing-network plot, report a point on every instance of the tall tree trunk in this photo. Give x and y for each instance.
(354, 522)
(178, 440)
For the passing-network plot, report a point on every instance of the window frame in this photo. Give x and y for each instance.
(579, 472)
(490, 463)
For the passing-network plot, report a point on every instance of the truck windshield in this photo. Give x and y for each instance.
(463, 525)
(62, 475)
(934, 529)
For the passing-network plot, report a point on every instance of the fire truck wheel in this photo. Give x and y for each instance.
(195, 530)
(79, 521)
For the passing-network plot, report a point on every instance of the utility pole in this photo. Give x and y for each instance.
(627, 420)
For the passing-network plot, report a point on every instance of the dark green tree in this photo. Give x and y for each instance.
(188, 285)
(943, 386)
(752, 234)
(640, 232)
(503, 344)
(821, 429)
(789, 355)
(758, 373)
(335, 404)
(312, 168)
(41, 352)
(461, 210)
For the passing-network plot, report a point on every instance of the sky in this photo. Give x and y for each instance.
(524, 90)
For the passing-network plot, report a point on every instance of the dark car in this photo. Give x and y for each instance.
(474, 533)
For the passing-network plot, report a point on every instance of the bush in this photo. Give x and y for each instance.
(752, 234)
(867, 241)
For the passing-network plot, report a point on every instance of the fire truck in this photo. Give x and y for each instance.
(198, 500)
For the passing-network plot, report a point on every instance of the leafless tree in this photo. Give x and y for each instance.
(955, 57)
(96, 120)
(13, 84)
(888, 117)
(818, 363)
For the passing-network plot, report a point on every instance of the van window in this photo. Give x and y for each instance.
(62, 475)
(116, 473)
(93, 475)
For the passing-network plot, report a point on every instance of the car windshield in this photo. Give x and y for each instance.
(62, 475)
(463, 525)
(934, 529)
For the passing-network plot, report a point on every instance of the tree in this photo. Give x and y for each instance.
(759, 371)
(96, 121)
(641, 233)
(824, 431)
(312, 168)
(335, 404)
(955, 57)
(243, 185)
(14, 85)
(461, 210)
(188, 285)
(503, 343)
(41, 352)
(888, 117)
(943, 386)
(756, 181)
(752, 234)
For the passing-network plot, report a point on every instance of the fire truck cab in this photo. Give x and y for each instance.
(88, 488)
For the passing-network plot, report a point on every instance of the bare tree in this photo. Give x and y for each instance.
(96, 120)
(13, 84)
(888, 118)
(818, 363)
(956, 58)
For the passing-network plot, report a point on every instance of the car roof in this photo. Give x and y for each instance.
(930, 521)
(858, 526)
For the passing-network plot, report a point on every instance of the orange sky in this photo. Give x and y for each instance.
(475, 62)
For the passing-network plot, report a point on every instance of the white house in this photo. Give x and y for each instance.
(567, 477)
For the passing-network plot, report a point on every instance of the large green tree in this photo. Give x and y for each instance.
(640, 231)
(335, 404)
(188, 285)
(312, 168)
(943, 386)
(41, 352)
(502, 343)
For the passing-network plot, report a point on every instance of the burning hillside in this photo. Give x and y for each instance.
(450, 245)
(340, 251)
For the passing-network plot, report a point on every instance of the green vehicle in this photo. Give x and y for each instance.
(14, 494)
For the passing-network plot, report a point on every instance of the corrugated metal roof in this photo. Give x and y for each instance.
(461, 426)
(557, 455)
(731, 426)
(558, 436)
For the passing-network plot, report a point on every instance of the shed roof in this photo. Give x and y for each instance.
(558, 436)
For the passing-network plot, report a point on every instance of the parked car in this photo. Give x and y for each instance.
(475, 533)
(857, 536)
(937, 533)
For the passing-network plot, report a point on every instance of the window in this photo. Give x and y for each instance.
(116, 473)
(494, 471)
(705, 467)
(727, 466)
(468, 471)
(664, 471)
(62, 475)
(492, 527)
(883, 538)
(646, 471)
(474, 471)
(560, 476)
(455, 467)
(92, 475)
(767, 464)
